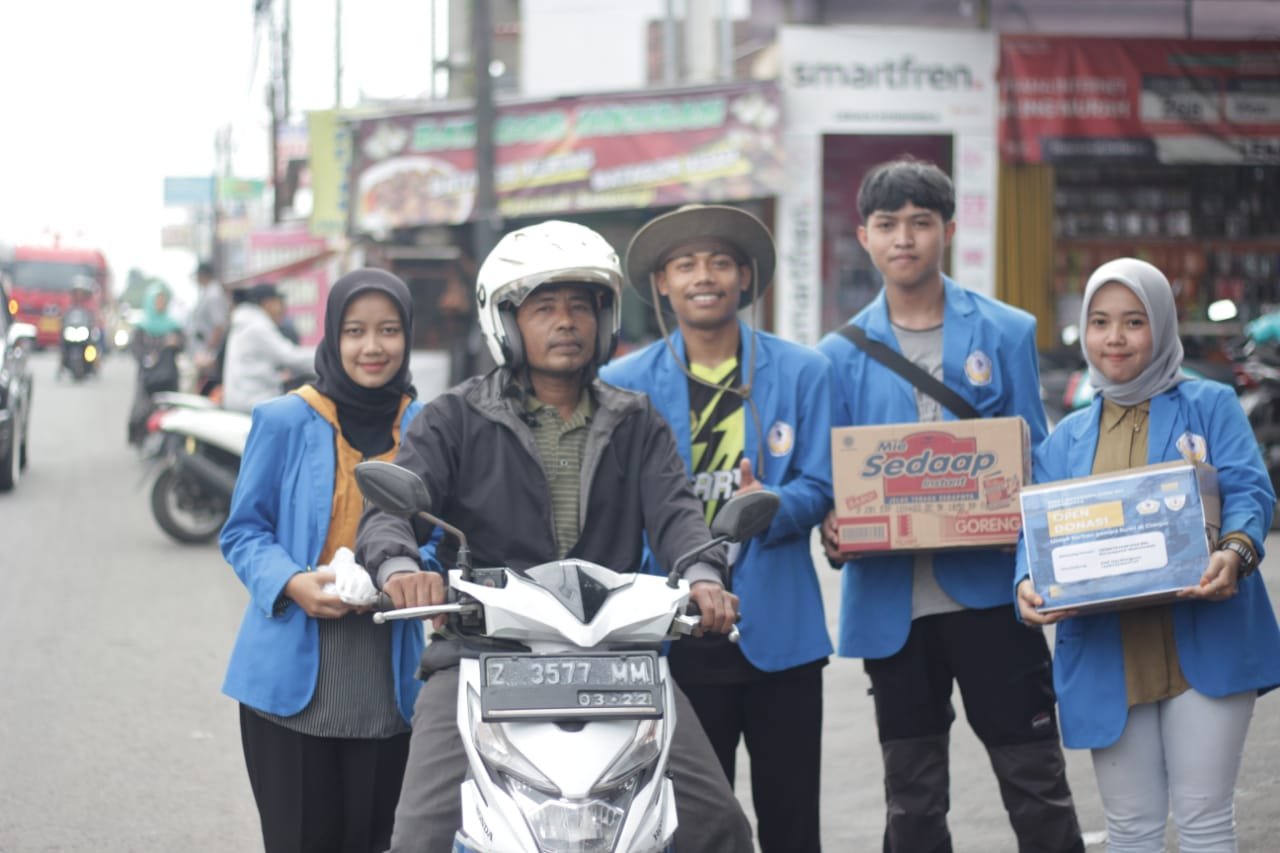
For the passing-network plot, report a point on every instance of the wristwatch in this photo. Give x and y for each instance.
(1248, 557)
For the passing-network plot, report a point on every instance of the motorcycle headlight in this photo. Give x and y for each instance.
(500, 754)
(638, 755)
(75, 334)
(561, 825)
(572, 826)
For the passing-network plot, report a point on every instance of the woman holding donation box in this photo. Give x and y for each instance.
(1162, 694)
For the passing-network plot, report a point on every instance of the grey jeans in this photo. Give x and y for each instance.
(430, 807)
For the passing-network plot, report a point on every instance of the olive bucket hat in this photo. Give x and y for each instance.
(653, 244)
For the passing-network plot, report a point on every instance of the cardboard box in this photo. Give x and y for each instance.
(926, 486)
(1121, 540)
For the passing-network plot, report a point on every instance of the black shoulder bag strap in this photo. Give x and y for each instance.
(909, 371)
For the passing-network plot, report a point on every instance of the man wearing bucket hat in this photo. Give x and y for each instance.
(749, 411)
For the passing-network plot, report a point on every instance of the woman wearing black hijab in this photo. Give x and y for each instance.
(325, 694)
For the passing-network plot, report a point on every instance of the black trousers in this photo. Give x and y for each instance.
(779, 715)
(1004, 672)
(322, 794)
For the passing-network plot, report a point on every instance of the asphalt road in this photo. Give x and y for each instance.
(113, 640)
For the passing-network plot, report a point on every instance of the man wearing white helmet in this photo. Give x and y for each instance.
(540, 460)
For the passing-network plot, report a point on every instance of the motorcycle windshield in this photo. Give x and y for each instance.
(581, 587)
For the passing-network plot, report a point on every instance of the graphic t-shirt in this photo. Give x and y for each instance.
(717, 427)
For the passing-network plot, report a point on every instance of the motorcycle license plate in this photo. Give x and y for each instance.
(588, 684)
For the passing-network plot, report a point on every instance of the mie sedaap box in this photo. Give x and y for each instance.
(929, 486)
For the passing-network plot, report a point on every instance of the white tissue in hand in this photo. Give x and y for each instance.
(351, 582)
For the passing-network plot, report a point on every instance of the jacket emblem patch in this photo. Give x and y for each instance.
(978, 368)
(781, 438)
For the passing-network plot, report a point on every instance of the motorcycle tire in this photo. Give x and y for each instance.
(184, 511)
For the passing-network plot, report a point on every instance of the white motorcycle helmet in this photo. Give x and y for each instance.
(528, 258)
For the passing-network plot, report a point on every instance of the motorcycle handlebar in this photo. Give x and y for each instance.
(694, 614)
(380, 616)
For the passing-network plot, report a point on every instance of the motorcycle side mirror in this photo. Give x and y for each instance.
(392, 489)
(741, 517)
(401, 492)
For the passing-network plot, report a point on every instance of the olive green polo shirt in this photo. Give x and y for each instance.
(561, 444)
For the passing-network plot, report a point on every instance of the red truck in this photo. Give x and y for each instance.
(41, 278)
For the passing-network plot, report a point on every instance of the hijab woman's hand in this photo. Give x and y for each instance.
(306, 589)
(1029, 600)
(1220, 581)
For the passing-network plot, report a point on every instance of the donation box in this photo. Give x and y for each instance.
(1126, 539)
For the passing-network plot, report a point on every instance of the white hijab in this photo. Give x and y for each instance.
(1153, 290)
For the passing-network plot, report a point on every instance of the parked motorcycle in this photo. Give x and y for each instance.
(196, 448)
(565, 704)
(1259, 386)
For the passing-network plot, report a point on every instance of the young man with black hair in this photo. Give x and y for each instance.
(750, 411)
(925, 621)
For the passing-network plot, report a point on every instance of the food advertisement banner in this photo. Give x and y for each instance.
(1146, 100)
(568, 155)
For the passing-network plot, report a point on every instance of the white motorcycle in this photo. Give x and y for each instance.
(567, 719)
(197, 448)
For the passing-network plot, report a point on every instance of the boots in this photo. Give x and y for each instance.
(917, 783)
(1033, 785)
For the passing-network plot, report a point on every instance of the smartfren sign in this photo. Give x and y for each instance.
(905, 73)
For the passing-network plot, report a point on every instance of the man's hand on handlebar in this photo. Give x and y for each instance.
(417, 589)
(718, 606)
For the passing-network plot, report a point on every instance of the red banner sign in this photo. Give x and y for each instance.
(1154, 100)
(715, 143)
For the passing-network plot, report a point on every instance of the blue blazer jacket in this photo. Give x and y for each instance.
(989, 357)
(278, 523)
(782, 615)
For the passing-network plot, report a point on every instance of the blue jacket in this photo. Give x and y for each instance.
(1224, 647)
(782, 617)
(278, 524)
(988, 357)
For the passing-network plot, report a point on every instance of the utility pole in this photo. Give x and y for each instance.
(337, 54)
(487, 221)
(486, 214)
(273, 104)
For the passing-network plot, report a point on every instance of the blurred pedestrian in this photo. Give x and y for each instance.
(326, 695)
(155, 343)
(1163, 694)
(259, 356)
(206, 327)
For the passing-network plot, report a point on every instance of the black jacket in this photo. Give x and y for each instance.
(481, 465)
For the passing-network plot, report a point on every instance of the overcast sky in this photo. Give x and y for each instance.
(99, 101)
